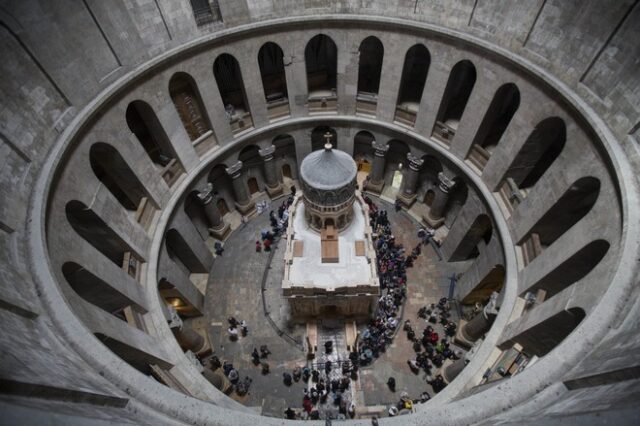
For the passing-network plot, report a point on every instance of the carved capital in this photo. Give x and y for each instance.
(414, 162)
(445, 183)
(267, 153)
(380, 148)
(235, 170)
(206, 195)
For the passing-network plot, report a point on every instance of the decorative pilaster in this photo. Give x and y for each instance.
(218, 229)
(244, 204)
(407, 195)
(435, 217)
(274, 188)
(376, 177)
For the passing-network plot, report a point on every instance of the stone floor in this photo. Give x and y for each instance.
(235, 289)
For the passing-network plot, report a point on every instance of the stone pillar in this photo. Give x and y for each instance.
(469, 332)
(451, 371)
(188, 339)
(435, 217)
(376, 177)
(274, 188)
(410, 180)
(218, 228)
(243, 200)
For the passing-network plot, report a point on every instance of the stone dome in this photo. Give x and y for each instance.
(328, 169)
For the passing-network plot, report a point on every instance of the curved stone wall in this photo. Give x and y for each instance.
(109, 209)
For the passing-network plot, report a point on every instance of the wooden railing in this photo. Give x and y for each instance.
(531, 248)
(144, 213)
(366, 103)
(278, 108)
(405, 116)
(443, 133)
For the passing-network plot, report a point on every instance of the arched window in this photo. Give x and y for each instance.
(186, 98)
(573, 269)
(114, 173)
(96, 232)
(194, 210)
(493, 281)
(181, 253)
(318, 138)
(362, 148)
(144, 124)
(574, 204)
(454, 101)
(414, 76)
(274, 81)
(540, 339)
(480, 230)
(538, 153)
(229, 78)
(97, 292)
(370, 68)
(321, 61)
(503, 106)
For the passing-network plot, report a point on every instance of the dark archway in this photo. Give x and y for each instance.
(574, 204)
(321, 61)
(370, 67)
(143, 122)
(96, 232)
(572, 270)
(414, 75)
(455, 98)
(480, 230)
(228, 75)
(503, 107)
(538, 153)
(186, 98)
(271, 63)
(116, 175)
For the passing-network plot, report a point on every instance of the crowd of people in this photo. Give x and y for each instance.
(432, 349)
(392, 264)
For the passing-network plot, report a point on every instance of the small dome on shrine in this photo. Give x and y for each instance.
(328, 169)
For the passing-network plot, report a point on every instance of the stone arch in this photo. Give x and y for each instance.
(502, 108)
(493, 281)
(144, 124)
(573, 269)
(116, 175)
(96, 291)
(285, 155)
(228, 75)
(97, 233)
(414, 76)
(481, 230)
(538, 153)
(543, 337)
(457, 199)
(194, 210)
(271, 63)
(362, 148)
(188, 103)
(396, 155)
(371, 53)
(461, 81)
(321, 62)
(574, 204)
(181, 253)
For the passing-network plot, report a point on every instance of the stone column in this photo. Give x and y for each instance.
(410, 180)
(218, 228)
(469, 332)
(244, 204)
(188, 339)
(274, 188)
(435, 217)
(452, 370)
(376, 177)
